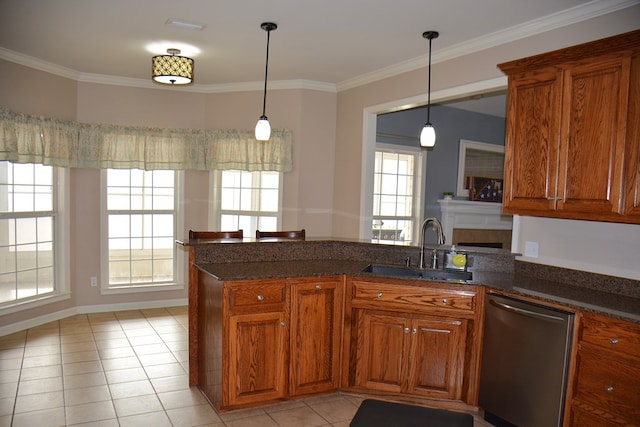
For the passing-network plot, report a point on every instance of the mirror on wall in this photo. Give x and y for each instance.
(478, 160)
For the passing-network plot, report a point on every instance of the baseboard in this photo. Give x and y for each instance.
(100, 308)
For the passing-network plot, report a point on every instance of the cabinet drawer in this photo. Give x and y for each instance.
(616, 335)
(255, 295)
(608, 383)
(414, 297)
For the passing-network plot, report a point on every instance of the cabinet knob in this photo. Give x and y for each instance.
(613, 341)
(318, 287)
(609, 389)
(283, 324)
(260, 297)
(406, 330)
(380, 295)
(444, 301)
(414, 331)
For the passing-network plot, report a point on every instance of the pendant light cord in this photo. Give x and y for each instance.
(266, 70)
(429, 86)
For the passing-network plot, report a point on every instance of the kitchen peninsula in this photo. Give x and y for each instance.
(251, 304)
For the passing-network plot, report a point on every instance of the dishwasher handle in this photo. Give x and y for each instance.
(524, 312)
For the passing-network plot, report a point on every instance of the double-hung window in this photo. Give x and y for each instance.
(246, 200)
(397, 194)
(139, 230)
(33, 230)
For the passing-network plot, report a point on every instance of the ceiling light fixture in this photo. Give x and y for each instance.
(263, 129)
(172, 69)
(428, 134)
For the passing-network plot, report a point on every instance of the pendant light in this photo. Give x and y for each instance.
(172, 69)
(263, 129)
(428, 134)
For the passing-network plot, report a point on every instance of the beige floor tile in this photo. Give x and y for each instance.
(157, 359)
(165, 384)
(5, 420)
(302, 416)
(181, 345)
(112, 342)
(155, 419)
(150, 349)
(80, 356)
(335, 410)
(81, 367)
(84, 380)
(8, 389)
(74, 347)
(48, 417)
(130, 389)
(38, 361)
(113, 422)
(166, 370)
(110, 335)
(41, 372)
(121, 363)
(39, 401)
(182, 398)
(75, 329)
(9, 364)
(144, 339)
(82, 395)
(90, 412)
(6, 405)
(12, 353)
(41, 350)
(105, 326)
(114, 353)
(195, 416)
(73, 338)
(242, 413)
(137, 405)
(9, 376)
(256, 421)
(39, 386)
(125, 375)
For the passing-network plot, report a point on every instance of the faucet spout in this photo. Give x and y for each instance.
(435, 223)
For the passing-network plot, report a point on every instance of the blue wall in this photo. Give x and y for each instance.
(451, 124)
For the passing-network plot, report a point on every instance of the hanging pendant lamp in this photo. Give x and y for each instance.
(263, 129)
(172, 69)
(428, 134)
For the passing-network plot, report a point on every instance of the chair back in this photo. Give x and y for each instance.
(215, 235)
(289, 235)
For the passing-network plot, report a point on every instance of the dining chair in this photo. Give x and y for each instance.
(215, 235)
(289, 235)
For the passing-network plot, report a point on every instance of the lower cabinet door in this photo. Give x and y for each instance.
(257, 356)
(436, 358)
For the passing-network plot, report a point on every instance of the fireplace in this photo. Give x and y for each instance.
(469, 223)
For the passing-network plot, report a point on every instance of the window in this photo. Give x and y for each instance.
(396, 194)
(247, 200)
(32, 234)
(141, 220)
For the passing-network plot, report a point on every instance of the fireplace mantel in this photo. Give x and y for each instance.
(472, 215)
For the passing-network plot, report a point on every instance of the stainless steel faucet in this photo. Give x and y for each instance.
(435, 222)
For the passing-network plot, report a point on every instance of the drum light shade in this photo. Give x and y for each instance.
(172, 69)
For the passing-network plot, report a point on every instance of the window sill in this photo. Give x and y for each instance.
(141, 288)
(33, 303)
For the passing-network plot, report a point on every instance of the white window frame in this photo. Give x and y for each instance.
(215, 191)
(419, 174)
(61, 254)
(179, 256)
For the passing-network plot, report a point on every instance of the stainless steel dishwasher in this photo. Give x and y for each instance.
(525, 362)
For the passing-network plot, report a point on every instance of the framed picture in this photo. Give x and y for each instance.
(482, 189)
(478, 159)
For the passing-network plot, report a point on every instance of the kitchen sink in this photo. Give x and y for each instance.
(419, 273)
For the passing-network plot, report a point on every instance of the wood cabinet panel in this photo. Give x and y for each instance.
(316, 320)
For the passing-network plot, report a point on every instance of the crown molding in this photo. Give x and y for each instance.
(570, 16)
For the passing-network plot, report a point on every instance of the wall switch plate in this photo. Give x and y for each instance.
(531, 249)
(94, 282)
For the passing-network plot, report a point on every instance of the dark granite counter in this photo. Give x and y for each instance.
(496, 270)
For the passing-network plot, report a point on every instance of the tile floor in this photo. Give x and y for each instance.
(129, 368)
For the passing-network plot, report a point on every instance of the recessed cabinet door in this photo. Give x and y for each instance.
(593, 136)
(437, 358)
(316, 313)
(382, 352)
(532, 142)
(257, 357)
(632, 166)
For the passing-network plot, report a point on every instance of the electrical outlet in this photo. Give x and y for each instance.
(531, 249)
(94, 281)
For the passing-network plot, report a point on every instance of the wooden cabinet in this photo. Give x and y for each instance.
(605, 389)
(316, 329)
(415, 338)
(281, 338)
(572, 135)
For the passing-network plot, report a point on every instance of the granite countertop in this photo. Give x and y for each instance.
(573, 297)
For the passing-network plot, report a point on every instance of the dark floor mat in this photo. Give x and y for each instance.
(377, 413)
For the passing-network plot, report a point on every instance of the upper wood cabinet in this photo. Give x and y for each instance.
(573, 120)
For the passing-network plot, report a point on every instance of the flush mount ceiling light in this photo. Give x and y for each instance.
(263, 128)
(428, 134)
(172, 69)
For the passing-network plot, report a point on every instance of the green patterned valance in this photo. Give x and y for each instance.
(30, 139)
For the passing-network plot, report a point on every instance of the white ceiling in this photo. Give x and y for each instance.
(330, 43)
